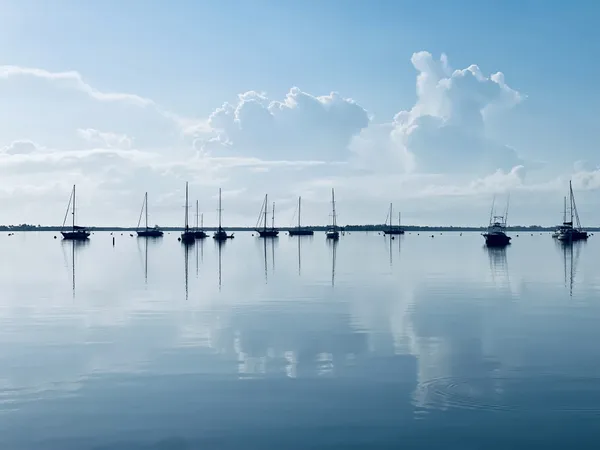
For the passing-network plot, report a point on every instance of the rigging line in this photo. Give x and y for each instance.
(294, 216)
(141, 212)
(261, 214)
(68, 207)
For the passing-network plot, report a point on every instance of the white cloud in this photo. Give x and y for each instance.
(107, 139)
(435, 160)
(20, 147)
(74, 80)
(301, 126)
(445, 130)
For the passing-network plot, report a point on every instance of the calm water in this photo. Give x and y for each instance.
(418, 342)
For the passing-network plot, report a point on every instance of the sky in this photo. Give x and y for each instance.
(436, 107)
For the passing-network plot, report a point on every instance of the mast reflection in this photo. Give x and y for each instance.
(73, 246)
(333, 244)
(571, 252)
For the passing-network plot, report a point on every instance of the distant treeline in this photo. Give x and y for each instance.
(375, 228)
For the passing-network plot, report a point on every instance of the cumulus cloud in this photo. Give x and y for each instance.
(431, 160)
(20, 147)
(301, 126)
(107, 139)
(445, 130)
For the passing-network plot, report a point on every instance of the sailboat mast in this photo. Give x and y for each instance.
(146, 207)
(333, 207)
(196, 214)
(202, 221)
(390, 216)
(273, 217)
(399, 219)
(186, 206)
(571, 200)
(219, 209)
(73, 208)
(299, 210)
(265, 213)
(564, 209)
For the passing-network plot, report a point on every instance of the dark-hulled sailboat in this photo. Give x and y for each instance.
(568, 232)
(187, 236)
(495, 236)
(199, 232)
(147, 231)
(264, 231)
(76, 233)
(332, 231)
(391, 229)
(300, 230)
(221, 235)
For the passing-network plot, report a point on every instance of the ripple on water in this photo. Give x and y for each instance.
(540, 394)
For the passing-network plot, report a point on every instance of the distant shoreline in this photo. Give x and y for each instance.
(368, 228)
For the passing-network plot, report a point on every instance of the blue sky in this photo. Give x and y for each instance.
(190, 57)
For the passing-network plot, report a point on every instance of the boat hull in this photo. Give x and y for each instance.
(187, 237)
(221, 235)
(200, 235)
(573, 236)
(150, 233)
(75, 235)
(334, 235)
(268, 233)
(301, 232)
(393, 231)
(496, 239)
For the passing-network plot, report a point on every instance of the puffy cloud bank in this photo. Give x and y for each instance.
(445, 130)
(302, 126)
(436, 156)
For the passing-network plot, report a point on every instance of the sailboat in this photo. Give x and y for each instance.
(392, 229)
(332, 231)
(221, 234)
(146, 231)
(568, 232)
(495, 236)
(299, 230)
(561, 227)
(76, 233)
(187, 236)
(264, 231)
(199, 233)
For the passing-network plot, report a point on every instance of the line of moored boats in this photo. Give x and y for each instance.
(570, 230)
(495, 236)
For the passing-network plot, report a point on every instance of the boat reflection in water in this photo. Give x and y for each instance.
(570, 251)
(498, 263)
(73, 246)
(333, 243)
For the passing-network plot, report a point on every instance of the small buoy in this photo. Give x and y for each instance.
(111, 234)
(432, 235)
(131, 235)
(121, 234)
(393, 238)
(179, 239)
(54, 237)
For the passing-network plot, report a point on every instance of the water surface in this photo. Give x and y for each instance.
(420, 342)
